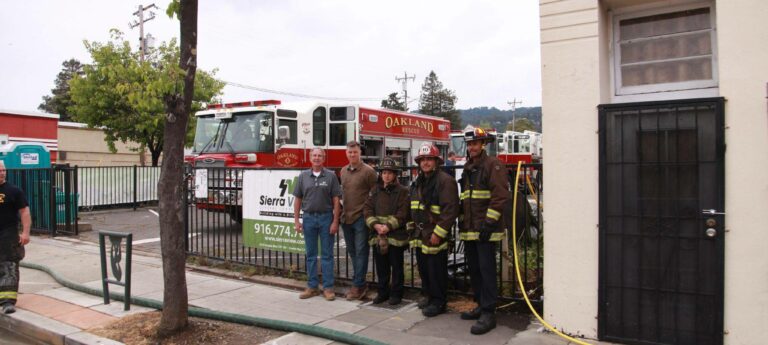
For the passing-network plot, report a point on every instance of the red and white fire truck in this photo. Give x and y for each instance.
(459, 147)
(510, 147)
(274, 134)
(523, 146)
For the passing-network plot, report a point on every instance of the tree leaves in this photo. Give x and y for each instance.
(436, 100)
(126, 96)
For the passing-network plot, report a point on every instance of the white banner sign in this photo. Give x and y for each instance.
(268, 210)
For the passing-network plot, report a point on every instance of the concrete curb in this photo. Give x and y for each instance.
(49, 331)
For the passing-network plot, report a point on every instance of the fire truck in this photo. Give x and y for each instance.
(523, 146)
(459, 147)
(273, 134)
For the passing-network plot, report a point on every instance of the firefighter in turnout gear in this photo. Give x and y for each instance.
(484, 195)
(434, 207)
(386, 213)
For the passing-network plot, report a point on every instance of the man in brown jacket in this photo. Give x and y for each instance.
(357, 179)
(434, 207)
(484, 195)
(386, 212)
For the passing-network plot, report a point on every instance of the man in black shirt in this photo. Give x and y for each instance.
(13, 208)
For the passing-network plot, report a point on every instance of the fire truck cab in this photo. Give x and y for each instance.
(459, 147)
(520, 146)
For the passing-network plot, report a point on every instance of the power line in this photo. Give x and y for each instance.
(294, 94)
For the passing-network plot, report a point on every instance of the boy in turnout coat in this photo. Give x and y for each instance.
(386, 212)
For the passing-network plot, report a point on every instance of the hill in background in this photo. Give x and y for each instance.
(499, 119)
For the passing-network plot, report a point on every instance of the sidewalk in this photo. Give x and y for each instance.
(58, 315)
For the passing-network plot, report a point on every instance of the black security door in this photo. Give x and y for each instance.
(661, 222)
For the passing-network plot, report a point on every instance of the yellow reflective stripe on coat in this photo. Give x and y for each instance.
(474, 236)
(493, 214)
(439, 231)
(393, 222)
(435, 209)
(8, 294)
(433, 250)
(416, 205)
(476, 194)
(415, 243)
(370, 221)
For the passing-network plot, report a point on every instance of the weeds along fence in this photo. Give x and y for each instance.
(214, 229)
(57, 194)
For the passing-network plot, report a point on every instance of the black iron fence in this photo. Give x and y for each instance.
(49, 192)
(57, 194)
(214, 231)
(117, 186)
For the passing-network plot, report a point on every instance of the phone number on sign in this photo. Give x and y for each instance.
(276, 230)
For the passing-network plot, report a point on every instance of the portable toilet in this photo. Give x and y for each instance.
(25, 155)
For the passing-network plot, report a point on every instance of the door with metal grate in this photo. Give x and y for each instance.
(661, 222)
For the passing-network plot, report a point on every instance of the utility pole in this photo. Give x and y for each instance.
(514, 104)
(404, 79)
(140, 24)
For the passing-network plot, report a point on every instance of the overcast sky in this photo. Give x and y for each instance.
(487, 51)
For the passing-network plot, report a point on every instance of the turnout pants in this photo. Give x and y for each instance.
(433, 269)
(11, 252)
(390, 264)
(481, 258)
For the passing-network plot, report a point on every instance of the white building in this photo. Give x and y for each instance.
(640, 100)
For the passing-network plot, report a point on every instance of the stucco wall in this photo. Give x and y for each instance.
(575, 79)
(742, 38)
(86, 147)
(570, 66)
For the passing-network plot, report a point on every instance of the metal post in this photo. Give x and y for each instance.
(135, 185)
(67, 201)
(77, 199)
(128, 256)
(103, 254)
(52, 202)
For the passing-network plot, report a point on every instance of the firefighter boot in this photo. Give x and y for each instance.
(473, 314)
(485, 324)
(433, 310)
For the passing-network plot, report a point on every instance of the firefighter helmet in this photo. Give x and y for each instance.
(389, 163)
(477, 133)
(429, 149)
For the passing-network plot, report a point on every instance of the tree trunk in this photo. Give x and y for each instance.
(175, 298)
(155, 153)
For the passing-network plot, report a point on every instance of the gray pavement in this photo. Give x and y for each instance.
(78, 261)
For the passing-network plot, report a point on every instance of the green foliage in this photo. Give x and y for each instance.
(436, 100)
(174, 9)
(522, 124)
(499, 119)
(393, 102)
(61, 99)
(126, 96)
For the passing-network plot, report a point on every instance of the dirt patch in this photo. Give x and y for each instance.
(139, 329)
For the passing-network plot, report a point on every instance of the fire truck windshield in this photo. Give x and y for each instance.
(244, 132)
(458, 145)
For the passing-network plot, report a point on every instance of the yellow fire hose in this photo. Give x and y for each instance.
(517, 268)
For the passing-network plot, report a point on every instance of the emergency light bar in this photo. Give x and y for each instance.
(244, 104)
